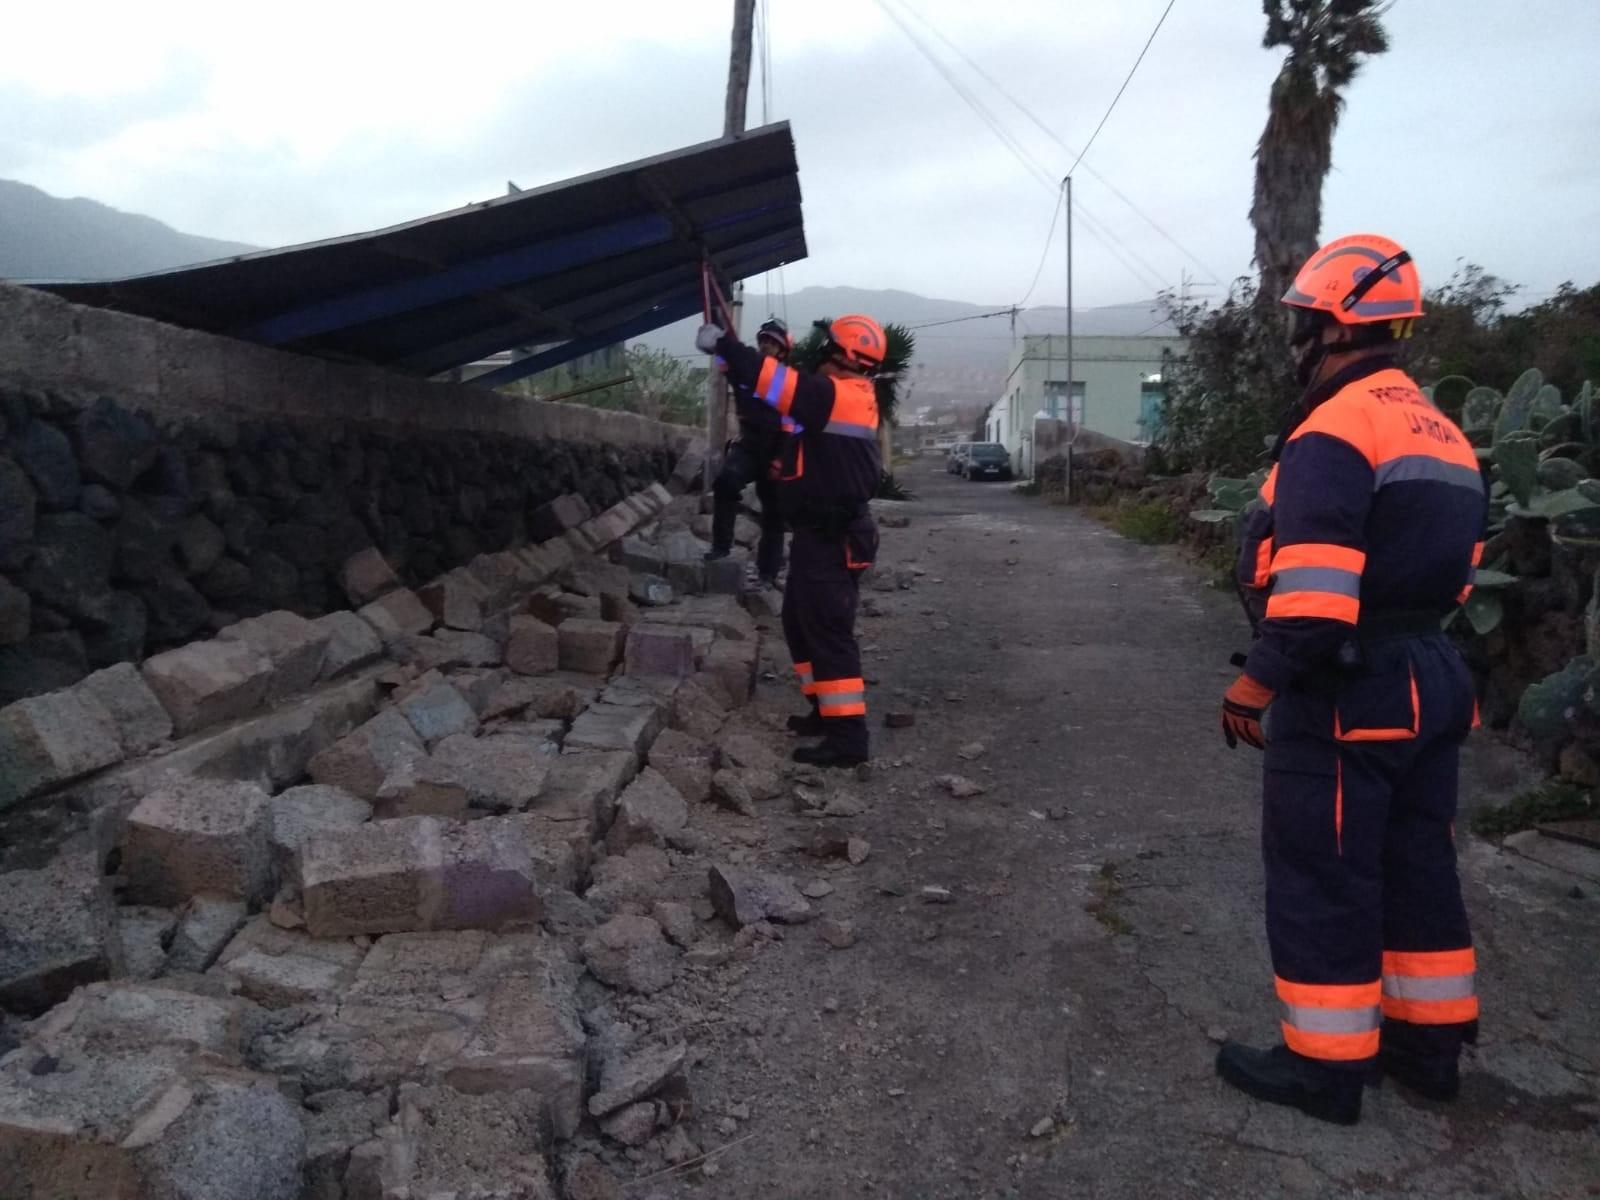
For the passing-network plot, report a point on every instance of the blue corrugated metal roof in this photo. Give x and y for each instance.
(583, 263)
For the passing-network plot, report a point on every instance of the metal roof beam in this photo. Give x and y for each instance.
(682, 305)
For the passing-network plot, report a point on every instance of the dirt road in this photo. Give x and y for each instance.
(1049, 1032)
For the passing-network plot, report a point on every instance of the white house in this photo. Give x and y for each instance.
(1116, 389)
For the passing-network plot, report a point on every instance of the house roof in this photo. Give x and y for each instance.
(571, 266)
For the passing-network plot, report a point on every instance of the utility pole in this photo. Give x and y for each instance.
(744, 19)
(1067, 183)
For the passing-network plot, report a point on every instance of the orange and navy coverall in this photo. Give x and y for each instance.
(829, 468)
(1373, 527)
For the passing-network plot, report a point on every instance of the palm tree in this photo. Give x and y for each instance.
(897, 357)
(1327, 41)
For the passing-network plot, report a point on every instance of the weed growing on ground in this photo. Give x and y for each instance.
(1107, 887)
(1150, 523)
(1556, 800)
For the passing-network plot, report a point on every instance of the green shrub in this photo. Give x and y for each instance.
(1556, 800)
(1149, 523)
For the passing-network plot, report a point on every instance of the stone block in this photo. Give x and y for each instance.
(197, 835)
(643, 557)
(205, 927)
(293, 645)
(361, 760)
(436, 711)
(500, 773)
(650, 591)
(660, 650)
(529, 1038)
(614, 727)
(126, 1019)
(698, 710)
(534, 647)
(278, 968)
(556, 517)
(352, 643)
(650, 812)
(478, 685)
(238, 1139)
(584, 788)
(554, 606)
(336, 1122)
(448, 649)
(396, 615)
(631, 953)
(144, 934)
(590, 646)
(302, 811)
(52, 739)
(735, 665)
(456, 600)
(687, 763)
(207, 683)
(625, 1079)
(446, 1144)
(56, 932)
(373, 879)
(687, 578)
(420, 873)
(140, 720)
(366, 575)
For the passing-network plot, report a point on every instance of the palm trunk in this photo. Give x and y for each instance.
(1292, 159)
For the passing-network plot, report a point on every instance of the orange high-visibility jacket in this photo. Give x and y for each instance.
(1376, 507)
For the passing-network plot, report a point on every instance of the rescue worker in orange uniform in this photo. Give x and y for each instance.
(829, 468)
(749, 460)
(1373, 526)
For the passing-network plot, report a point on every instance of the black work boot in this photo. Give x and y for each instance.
(810, 725)
(1280, 1076)
(1423, 1058)
(826, 754)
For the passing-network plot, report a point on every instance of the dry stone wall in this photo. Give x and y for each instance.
(157, 484)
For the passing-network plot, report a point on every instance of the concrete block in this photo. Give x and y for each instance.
(546, 697)
(396, 615)
(555, 607)
(650, 812)
(583, 788)
(590, 646)
(197, 835)
(56, 932)
(144, 934)
(367, 575)
(302, 811)
(352, 643)
(488, 877)
(436, 711)
(534, 647)
(293, 645)
(724, 576)
(659, 650)
(614, 727)
(362, 760)
(52, 739)
(639, 555)
(140, 720)
(207, 683)
(478, 685)
(447, 650)
(500, 773)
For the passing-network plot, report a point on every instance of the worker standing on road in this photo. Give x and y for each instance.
(752, 458)
(829, 469)
(1372, 529)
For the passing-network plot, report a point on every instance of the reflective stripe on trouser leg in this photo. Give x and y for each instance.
(1430, 987)
(841, 697)
(808, 683)
(1338, 1022)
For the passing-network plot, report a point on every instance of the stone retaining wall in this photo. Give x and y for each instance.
(157, 484)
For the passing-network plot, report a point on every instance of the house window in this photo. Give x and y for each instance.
(1152, 395)
(1056, 405)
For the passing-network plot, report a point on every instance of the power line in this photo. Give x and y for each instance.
(1053, 136)
(1125, 83)
(999, 312)
(1044, 254)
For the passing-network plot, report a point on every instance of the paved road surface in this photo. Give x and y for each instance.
(1106, 921)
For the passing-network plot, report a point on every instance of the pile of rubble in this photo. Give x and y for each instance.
(366, 906)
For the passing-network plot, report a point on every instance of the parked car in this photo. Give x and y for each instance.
(958, 458)
(986, 460)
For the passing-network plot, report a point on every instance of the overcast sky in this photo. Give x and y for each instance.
(1477, 137)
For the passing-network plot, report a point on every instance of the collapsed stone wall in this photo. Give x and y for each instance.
(157, 484)
(402, 901)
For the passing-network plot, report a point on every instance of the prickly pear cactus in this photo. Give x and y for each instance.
(1546, 705)
(1518, 406)
(1517, 457)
